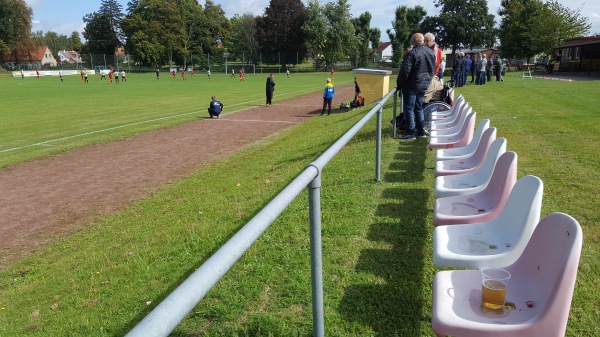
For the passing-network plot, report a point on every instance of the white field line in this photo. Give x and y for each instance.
(47, 142)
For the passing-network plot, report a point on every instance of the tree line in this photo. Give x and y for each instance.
(170, 31)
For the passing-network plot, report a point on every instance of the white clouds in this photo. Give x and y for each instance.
(34, 3)
(65, 16)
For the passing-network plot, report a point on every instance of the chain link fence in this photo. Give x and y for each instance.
(216, 63)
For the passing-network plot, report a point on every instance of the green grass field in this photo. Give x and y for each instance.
(44, 116)
(377, 267)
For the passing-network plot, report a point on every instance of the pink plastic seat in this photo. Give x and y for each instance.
(495, 243)
(539, 290)
(462, 138)
(435, 115)
(468, 183)
(481, 206)
(462, 152)
(470, 163)
(439, 121)
(453, 123)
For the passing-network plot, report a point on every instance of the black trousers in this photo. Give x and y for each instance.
(326, 104)
(269, 97)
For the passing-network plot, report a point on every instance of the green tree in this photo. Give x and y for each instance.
(531, 27)
(465, 23)
(154, 30)
(244, 33)
(339, 36)
(103, 28)
(215, 30)
(314, 28)
(375, 40)
(15, 26)
(364, 35)
(565, 23)
(407, 21)
(516, 27)
(114, 12)
(75, 42)
(280, 35)
(191, 20)
(56, 42)
(98, 32)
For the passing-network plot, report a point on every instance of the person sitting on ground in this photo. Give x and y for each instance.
(215, 108)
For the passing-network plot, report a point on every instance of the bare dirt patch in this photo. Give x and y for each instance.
(46, 199)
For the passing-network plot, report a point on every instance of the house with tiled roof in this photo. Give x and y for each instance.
(384, 52)
(35, 59)
(69, 56)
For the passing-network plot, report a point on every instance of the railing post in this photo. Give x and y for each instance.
(378, 146)
(394, 115)
(316, 255)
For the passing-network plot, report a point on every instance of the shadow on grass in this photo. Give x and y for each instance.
(394, 305)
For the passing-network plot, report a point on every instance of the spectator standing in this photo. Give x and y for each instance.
(481, 63)
(215, 108)
(463, 65)
(455, 70)
(498, 67)
(430, 42)
(413, 80)
(474, 60)
(468, 65)
(442, 69)
(328, 94)
(356, 90)
(270, 88)
(489, 68)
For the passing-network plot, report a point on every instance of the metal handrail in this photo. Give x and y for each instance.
(165, 317)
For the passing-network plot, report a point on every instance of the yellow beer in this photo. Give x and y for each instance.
(493, 293)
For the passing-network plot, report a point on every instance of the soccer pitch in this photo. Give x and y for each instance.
(45, 116)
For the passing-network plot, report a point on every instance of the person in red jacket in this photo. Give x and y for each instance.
(430, 42)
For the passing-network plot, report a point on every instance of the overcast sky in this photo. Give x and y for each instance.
(65, 16)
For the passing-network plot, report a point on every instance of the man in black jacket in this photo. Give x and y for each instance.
(269, 89)
(413, 80)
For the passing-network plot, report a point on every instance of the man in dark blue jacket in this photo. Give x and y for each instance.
(215, 108)
(413, 80)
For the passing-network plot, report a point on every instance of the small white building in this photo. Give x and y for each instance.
(384, 52)
(69, 56)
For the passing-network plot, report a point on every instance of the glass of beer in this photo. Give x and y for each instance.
(493, 288)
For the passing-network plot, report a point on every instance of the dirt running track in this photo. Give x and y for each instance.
(47, 199)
